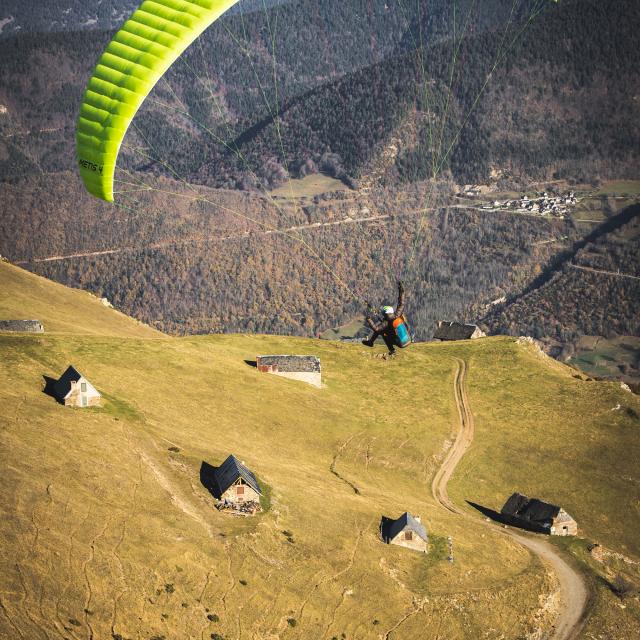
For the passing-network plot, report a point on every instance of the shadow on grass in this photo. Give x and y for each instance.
(251, 363)
(489, 513)
(502, 518)
(49, 388)
(208, 479)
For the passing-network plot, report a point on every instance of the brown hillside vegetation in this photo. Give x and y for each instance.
(189, 266)
(356, 96)
(107, 532)
(594, 292)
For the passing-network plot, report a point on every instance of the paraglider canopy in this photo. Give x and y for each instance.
(148, 43)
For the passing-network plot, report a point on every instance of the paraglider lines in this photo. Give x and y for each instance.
(266, 225)
(500, 56)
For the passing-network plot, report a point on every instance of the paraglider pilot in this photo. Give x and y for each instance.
(384, 326)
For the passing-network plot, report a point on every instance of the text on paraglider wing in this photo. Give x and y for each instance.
(91, 166)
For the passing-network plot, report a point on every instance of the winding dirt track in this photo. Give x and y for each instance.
(573, 591)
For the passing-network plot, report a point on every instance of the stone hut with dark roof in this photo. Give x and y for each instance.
(536, 515)
(457, 331)
(72, 389)
(304, 368)
(407, 531)
(24, 326)
(234, 483)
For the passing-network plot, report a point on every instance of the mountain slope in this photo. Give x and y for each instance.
(593, 290)
(195, 269)
(562, 103)
(24, 295)
(110, 533)
(253, 100)
(560, 99)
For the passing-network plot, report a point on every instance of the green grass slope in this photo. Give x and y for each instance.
(106, 531)
(24, 295)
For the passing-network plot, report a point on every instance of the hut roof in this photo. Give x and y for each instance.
(229, 471)
(29, 326)
(390, 528)
(62, 387)
(454, 330)
(531, 509)
(290, 364)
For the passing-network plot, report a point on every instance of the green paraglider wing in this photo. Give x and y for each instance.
(137, 57)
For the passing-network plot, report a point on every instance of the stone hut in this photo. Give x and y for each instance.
(457, 331)
(536, 515)
(407, 531)
(234, 483)
(304, 368)
(26, 326)
(72, 389)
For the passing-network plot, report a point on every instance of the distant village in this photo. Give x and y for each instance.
(543, 203)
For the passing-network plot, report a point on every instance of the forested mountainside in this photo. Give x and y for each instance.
(563, 104)
(595, 291)
(26, 16)
(561, 101)
(199, 269)
(225, 80)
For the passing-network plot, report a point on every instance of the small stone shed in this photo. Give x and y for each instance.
(536, 515)
(457, 331)
(73, 390)
(407, 531)
(304, 368)
(26, 326)
(234, 483)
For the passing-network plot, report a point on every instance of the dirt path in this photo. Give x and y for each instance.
(459, 447)
(617, 274)
(188, 240)
(179, 501)
(573, 591)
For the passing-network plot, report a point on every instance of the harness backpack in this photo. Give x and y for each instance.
(402, 332)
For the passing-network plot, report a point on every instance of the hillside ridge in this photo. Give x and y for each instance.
(26, 295)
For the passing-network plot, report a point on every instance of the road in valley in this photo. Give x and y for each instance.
(617, 274)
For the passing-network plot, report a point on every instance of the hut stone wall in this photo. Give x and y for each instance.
(564, 525)
(240, 492)
(82, 396)
(410, 540)
(304, 368)
(457, 331)
(25, 326)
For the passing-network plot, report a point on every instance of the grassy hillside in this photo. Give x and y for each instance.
(545, 430)
(106, 532)
(24, 295)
